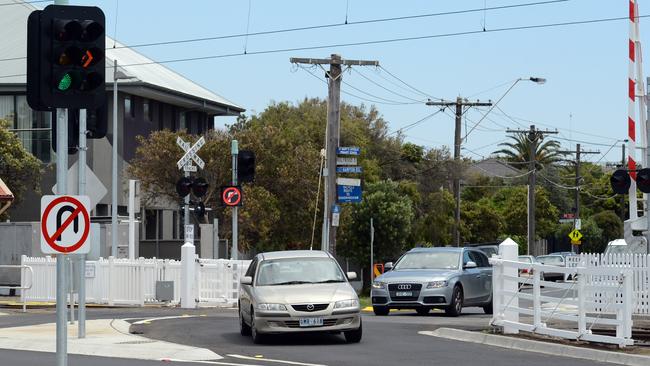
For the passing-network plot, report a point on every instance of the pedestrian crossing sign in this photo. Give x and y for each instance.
(575, 235)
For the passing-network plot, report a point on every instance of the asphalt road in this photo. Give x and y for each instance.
(391, 340)
(388, 340)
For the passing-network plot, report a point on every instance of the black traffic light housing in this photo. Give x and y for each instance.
(184, 186)
(620, 181)
(65, 57)
(200, 187)
(246, 166)
(199, 210)
(643, 180)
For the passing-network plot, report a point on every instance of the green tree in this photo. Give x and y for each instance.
(511, 203)
(19, 169)
(517, 151)
(612, 228)
(480, 222)
(436, 222)
(392, 214)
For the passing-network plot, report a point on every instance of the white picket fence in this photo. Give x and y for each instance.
(133, 282)
(638, 264)
(600, 297)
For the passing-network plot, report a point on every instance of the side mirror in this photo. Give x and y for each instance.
(470, 264)
(388, 266)
(352, 276)
(246, 280)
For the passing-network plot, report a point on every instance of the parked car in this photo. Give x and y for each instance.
(525, 272)
(488, 248)
(426, 278)
(298, 291)
(552, 260)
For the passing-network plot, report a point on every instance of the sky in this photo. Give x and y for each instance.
(586, 65)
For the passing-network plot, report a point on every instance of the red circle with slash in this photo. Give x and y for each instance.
(231, 196)
(79, 209)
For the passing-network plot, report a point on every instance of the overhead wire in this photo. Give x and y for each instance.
(385, 88)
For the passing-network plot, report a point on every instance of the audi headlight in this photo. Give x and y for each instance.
(437, 284)
(346, 304)
(379, 285)
(271, 307)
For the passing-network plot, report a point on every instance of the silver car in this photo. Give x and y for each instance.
(298, 291)
(426, 278)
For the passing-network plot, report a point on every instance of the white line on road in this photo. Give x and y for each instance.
(207, 362)
(146, 321)
(272, 360)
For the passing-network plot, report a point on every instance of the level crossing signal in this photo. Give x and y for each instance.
(245, 166)
(620, 181)
(198, 187)
(65, 58)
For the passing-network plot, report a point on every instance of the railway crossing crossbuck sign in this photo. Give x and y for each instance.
(65, 224)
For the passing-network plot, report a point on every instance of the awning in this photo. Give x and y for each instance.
(5, 192)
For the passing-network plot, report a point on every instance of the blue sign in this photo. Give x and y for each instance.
(336, 209)
(349, 150)
(349, 169)
(348, 194)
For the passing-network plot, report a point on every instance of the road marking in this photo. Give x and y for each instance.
(272, 360)
(148, 321)
(206, 362)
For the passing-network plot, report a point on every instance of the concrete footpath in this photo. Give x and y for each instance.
(539, 346)
(104, 337)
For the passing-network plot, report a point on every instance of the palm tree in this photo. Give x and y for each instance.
(518, 151)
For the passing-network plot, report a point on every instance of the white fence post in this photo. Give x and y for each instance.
(188, 266)
(537, 293)
(509, 251)
(582, 310)
(111, 280)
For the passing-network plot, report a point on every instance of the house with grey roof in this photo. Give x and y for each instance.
(151, 97)
(492, 168)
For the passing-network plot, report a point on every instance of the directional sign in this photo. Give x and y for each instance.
(348, 194)
(346, 161)
(349, 169)
(575, 235)
(348, 150)
(348, 181)
(231, 196)
(65, 224)
(190, 153)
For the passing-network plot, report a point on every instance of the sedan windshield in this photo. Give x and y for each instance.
(551, 259)
(295, 271)
(429, 260)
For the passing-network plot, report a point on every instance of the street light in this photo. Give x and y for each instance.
(534, 79)
(117, 75)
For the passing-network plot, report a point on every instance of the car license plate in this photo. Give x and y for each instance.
(311, 322)
(404, 293)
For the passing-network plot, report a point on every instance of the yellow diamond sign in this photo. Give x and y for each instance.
(575, 235)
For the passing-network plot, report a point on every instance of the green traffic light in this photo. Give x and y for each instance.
(65, 82)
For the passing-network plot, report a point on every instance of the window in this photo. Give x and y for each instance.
(251, 269)
(175, 225)
(181, 121)
(128, 107)
(479, 258)
(147, 111)
(32, 125)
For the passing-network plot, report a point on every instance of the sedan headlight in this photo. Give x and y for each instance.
(437, 284)
(379, 285)
(346, 304)
(271, 307)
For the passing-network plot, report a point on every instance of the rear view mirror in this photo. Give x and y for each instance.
(352, 276)
(388, 266)
(246, 280)
(470, 264)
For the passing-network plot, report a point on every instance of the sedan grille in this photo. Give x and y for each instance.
(310, 307)
(405, 287)
(399, 288)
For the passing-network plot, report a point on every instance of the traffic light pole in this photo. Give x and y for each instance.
(234, 253)
(62, 185)
(82, 257)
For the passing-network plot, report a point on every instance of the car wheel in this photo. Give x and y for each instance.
(488, 308)
(422, 311)
(354, 336)
(456, 306)
(257, 337)
(380, 310)
(244, 329)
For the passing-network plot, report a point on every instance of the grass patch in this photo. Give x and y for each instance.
(365, 301)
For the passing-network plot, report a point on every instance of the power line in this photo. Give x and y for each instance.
(388, 90)
(27, 2)
(364, 43)
(411, 125)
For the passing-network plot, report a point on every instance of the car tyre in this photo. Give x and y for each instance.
(244, 329)
(456, 306)
(257, 337)
(422, 311)
(354, 336)
(380, 310)
(488, 308)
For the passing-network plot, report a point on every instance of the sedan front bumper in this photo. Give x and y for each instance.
(290, 323)
(426, 297)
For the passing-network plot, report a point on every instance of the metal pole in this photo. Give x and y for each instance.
(372, 254)
(114, 167)
(235, 152)
(215, 239)
(81, 331)
(623, 206)
(532, 137)
(457, 142)
(333, 121)
(132, 218)
(62, 185)
(576, 198)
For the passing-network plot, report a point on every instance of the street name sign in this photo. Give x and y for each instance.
(346, 161)
(348, 194)
(65, 224)
(348, 150)
(349, 169)
(348, 181)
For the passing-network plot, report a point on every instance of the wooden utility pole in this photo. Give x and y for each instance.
(576, 199)
(332, 135)
(534, 136)
(460, 103)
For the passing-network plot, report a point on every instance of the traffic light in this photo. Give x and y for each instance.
(65, 58)
(183, 186)
(199, 210)
(200, 187)
(643, 180)
(620, 181)
(246, 166)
